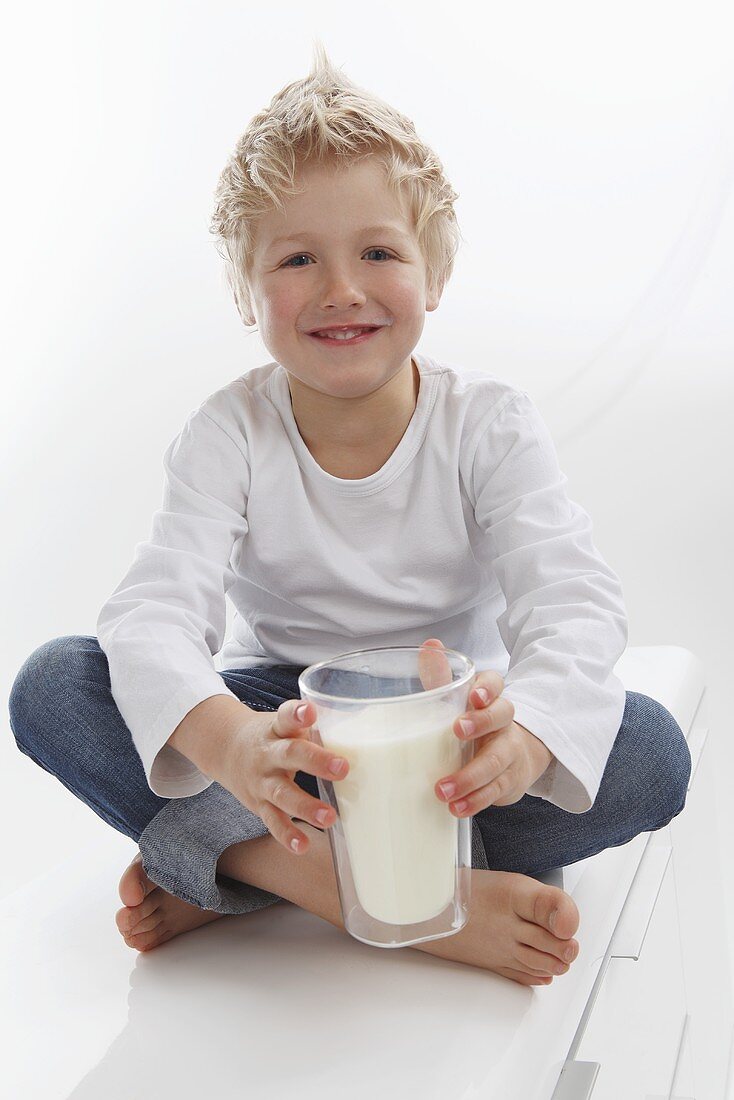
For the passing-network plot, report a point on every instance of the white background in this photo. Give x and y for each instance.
(593, 149)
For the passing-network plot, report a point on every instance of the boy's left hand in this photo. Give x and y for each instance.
(507, 759)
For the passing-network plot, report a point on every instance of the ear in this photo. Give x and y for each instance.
(248, 314)
(247, 317)
(433, 296)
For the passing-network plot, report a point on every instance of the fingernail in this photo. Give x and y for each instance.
(552, 920)
(468, 727)
(322, 816)
(336, 766)
(301, 711)
(447, 789)
(482, 695)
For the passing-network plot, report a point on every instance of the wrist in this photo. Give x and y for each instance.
(540, 754)
(205, 732)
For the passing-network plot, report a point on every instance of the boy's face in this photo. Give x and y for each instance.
(335, 270)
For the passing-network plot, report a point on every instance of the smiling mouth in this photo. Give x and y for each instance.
(338, 340)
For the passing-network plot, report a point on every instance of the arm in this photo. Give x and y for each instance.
(565, 625)
(166, 619)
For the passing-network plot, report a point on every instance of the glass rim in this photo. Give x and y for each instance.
(471, 671)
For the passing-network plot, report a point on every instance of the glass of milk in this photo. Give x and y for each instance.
(402, 859)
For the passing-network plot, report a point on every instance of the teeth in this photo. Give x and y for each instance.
(343, 335)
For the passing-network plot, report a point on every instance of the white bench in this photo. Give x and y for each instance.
(279, 1003)
(656, 1020)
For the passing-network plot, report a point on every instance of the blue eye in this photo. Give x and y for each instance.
(302, 255)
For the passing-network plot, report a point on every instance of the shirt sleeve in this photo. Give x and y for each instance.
(565, 624)
(166, 619)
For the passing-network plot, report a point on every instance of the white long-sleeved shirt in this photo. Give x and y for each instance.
(466, 534)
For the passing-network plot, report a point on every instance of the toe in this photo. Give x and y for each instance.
(138, 919)
(539, 939)
(554, 910)
(567, 916)
(145, 940)
(135, 884)
(523, 977)
(122, 920)
(539, 962)
(149, 924)
(549, 908)
(127, 917)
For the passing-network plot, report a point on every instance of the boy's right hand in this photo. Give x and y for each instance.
(262, 754)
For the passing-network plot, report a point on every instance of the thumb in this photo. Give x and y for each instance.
(294, 717)
(304, 714)
(433, 667)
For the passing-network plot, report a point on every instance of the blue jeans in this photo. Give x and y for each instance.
(64, 717)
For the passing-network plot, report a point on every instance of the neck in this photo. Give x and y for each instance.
(356, 424)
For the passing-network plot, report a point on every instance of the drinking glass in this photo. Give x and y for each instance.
(402, 859)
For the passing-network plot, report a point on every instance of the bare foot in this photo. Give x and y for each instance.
(151, 915)
(509, 930)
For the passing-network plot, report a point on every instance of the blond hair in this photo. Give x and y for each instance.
(328, 119)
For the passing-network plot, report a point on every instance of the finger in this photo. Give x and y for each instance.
(292, 800)
(433, 665)
(293, 718)
(493, 718)
(300, 752)
(293, 754)
(282, 829)
(490, 682)
(484, 769)
(500, 792)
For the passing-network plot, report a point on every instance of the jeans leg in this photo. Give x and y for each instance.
(63, 717)
(643, 788)
(181, 845)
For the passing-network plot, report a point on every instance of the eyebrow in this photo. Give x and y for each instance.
(359, 233)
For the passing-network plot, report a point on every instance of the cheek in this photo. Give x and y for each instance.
(281, 307)
(405, 293)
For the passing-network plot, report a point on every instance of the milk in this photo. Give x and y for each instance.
(401, 840)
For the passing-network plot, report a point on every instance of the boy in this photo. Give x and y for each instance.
(350, 494)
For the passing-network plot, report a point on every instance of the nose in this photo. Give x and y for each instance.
(341, 290)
